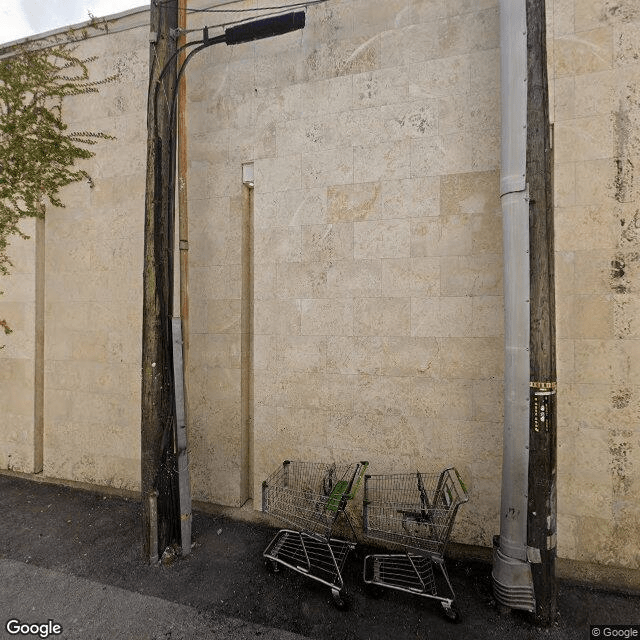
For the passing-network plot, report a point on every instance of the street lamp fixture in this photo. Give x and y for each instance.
(237, 34)
(265, 28)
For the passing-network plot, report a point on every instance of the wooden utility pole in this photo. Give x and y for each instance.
(541, 521)
(157, 404)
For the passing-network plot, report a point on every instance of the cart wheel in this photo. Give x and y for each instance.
(271, 565)
(340, 599)
(451, 612)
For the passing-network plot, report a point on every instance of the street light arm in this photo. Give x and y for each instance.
(163, 72)
(245, 32)
(238, 34)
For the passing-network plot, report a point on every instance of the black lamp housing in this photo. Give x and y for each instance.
(265, 28)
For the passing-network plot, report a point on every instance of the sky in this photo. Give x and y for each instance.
(22, 18)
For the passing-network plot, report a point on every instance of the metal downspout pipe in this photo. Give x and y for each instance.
(512, 581)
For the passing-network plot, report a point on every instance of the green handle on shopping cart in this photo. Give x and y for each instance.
(464, 488)
(342, 486)
(354, 489)
(335, 497)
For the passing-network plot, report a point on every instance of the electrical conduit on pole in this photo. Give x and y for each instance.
(512, 580)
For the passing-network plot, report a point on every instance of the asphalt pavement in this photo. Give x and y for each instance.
(71, 568)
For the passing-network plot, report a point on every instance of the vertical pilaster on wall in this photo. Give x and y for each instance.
(38, 386)
(246, 346)
(541, 520)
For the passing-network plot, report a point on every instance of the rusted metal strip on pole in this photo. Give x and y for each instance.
(541, 521)
(157, 387)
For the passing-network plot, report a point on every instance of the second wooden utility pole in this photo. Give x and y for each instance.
(160, 513)
(541, 521)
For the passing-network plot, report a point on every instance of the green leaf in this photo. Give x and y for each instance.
(38, 156)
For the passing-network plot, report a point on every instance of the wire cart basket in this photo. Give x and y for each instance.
(414, 512)
(310, 496)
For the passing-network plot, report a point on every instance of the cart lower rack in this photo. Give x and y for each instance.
(310, 496)
(415, 512)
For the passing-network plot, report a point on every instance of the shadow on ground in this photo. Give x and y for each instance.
(98, 538)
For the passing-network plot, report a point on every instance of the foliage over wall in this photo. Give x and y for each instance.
(38, 154)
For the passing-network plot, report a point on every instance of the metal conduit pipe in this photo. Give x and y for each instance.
(512, 581)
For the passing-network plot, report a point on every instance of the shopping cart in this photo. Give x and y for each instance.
(414, 512)
(310, 496)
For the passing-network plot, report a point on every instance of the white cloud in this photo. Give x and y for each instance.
(21, 18)
(100, 8)
(52, 14)
(13, 22)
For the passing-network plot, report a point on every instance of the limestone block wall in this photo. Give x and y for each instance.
(350, 305)
(92, 280)
(595, 77)
(218, 214)
(71, 370)
(375, 246)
